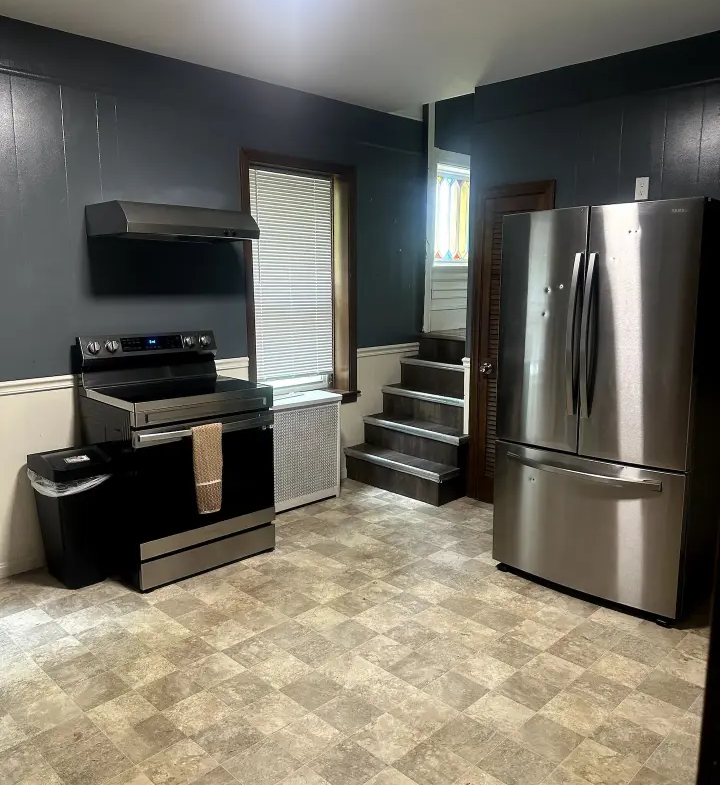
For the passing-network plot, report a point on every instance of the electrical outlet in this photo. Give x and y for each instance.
(642, 188)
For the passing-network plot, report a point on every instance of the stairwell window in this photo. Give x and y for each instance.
(302, 296)
(452, 214)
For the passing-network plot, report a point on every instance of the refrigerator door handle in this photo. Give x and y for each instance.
(570, 335)
(585, 337)
(620, 482)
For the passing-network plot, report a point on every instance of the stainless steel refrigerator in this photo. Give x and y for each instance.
(607, 475)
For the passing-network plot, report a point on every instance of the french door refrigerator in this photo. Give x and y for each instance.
(607, 475)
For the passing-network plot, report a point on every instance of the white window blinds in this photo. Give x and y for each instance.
(292, 272)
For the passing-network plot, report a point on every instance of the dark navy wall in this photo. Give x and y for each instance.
(82, 121)
(454, 124)
(595, 127)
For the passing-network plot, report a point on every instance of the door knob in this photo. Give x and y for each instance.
(485, 369)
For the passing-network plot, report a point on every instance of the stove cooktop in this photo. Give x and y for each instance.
(148, 392)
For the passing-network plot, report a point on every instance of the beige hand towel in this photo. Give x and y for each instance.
(208, 466)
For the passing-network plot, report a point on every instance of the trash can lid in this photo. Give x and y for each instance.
(72, 464)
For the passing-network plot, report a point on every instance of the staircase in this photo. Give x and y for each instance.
(416, 446)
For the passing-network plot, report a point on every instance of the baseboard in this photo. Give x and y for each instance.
(21, 565)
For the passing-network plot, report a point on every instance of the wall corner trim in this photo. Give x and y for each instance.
(395, 348)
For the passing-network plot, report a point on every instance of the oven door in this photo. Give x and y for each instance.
(159, 486)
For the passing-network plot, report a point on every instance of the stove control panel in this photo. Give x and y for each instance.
(107, 346)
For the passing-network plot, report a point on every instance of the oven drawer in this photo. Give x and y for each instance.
(205, 557)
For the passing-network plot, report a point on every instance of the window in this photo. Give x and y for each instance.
(301, 308)
(452, 214)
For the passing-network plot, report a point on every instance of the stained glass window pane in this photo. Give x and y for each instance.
(452, 214)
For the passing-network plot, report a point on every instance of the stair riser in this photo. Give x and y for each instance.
(413, 408)
(405, 484)
(433, 380)
(430, 449)
(442, 350)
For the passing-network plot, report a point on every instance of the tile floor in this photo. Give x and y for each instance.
(378, 644)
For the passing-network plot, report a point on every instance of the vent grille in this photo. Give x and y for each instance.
(306, 454)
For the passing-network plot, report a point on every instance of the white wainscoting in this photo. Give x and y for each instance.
(40, 414)
(466, 377)
(448, 300)
(37, 415)
(377, 366)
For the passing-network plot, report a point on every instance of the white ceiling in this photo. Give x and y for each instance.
(391, 55)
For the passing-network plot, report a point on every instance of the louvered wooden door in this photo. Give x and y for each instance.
(485, 333)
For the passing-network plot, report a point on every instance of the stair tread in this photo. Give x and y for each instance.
(411, 392)
(402, 461)
(434, 429)
(416, 359)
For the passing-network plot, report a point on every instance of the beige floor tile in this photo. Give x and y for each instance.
(169, 690)
(137, 673)
(486, 670)
(642, 650)
(670, 689)
(627, 737)
(389, 776)
(651, 713)
(649, 777)
(622, 669)
(272, 712)
(694, 646)
(348, 713)
(547, 738)
(676, 758)
(94, 765)
(388, 738)
(516, 765)
(263, 764)
(468, 738)
(598, 690)
(197, 712)
(456, 690)
(431, 763)
(575, 712)
(213, 670)
(307, 737)
(20, 762)
(436, 662)
(97, 690)
(46, 714)
(685, 667)
(228, 737)
(281, 669)
(503, 713)
(424, 713)
(181, 764)
(601, 765)
(146, 738)
(312, 691)
(10, 732)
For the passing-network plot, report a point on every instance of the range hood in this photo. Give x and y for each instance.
(147, 221)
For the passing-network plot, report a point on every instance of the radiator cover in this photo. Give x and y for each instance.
(307, 449)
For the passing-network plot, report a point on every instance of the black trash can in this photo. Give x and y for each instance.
(73, 495)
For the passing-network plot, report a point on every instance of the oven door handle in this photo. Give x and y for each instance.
(166, 437)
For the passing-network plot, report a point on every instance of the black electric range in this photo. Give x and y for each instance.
(141, 395)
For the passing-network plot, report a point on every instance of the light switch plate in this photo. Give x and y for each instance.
(642, 188)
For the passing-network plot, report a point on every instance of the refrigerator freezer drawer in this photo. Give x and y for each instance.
(612, 531)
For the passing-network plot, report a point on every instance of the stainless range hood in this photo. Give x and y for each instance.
(147, 221)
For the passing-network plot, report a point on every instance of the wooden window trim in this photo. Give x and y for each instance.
(344, 261)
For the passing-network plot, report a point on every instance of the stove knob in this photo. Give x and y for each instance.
(94, 347)
(112, 346)
(205, 340)
(189, 341)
